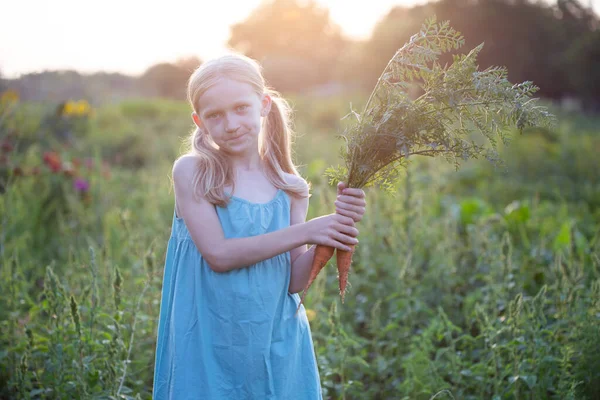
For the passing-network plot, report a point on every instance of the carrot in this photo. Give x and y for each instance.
(344, 260)
(322, 255)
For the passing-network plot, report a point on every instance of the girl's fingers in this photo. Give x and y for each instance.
(350, 207)
(357, 201)
(344, 219)
(348, 213)
(349, 210)
(345, 239)
(354, 192)
(339, 242)
(340, 246)
(348, 230)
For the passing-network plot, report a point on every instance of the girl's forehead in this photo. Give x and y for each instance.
(226, 92)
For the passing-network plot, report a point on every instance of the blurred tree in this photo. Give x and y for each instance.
(522, 36)
(388, 36)
(532, 40)
(188, 64)
(583, 66)
(60, 86)
(296, 42)
(3, 84)
(166, 80)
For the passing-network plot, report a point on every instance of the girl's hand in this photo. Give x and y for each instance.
(350, 202)
(332, 230)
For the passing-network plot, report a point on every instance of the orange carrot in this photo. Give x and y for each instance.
(322, 255)
(344, 260)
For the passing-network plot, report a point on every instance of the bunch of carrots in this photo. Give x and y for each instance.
(456, 102)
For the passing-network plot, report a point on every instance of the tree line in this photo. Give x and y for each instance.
(557, 46)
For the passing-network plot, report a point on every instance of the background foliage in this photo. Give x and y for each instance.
(476, 283)
(481, 283)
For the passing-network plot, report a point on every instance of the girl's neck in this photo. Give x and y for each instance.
(247, 164)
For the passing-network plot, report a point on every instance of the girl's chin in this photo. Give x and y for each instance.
(241, 147)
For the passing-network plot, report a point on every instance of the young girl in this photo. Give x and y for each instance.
(237, 255)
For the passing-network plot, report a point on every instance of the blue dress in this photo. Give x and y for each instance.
(233, 335)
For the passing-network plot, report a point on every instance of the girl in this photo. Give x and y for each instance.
(237, 255)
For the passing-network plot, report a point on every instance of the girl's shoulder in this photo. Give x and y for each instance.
(184, 169)
(297, 182)
(299, 197)
(292, 179)
(185, 164)
(182, 175)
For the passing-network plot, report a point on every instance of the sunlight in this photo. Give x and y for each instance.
(129, 36)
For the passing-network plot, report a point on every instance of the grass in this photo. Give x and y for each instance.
(474, 284)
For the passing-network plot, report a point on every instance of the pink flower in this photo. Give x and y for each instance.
(81, 185)
(52, 160)
(6, 147)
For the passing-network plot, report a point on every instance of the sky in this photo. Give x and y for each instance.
(129, 36)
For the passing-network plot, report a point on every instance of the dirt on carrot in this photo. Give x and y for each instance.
(344, 261)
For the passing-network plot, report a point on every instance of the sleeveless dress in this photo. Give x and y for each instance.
(233, 335)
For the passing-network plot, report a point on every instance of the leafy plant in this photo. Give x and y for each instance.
(457, 101)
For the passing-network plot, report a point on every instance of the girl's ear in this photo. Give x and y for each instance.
(197, 120)
(266, 105)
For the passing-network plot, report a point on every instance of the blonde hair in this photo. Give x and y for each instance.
(275, 140)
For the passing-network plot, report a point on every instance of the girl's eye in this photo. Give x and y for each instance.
(242, 107)
(213, 115)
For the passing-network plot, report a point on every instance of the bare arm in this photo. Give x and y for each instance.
(301, 257)
(223, 254)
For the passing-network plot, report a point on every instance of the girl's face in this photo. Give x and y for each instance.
(230, 112)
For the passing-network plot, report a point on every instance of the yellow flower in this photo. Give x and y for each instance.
(83, 107)
(310, 314)
(9, 96)
(70, 108)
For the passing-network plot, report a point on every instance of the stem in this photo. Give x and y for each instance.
(377, 86)
(349, 175)
(479, 103)
(412, 43)
(364, 113)
(407, 198)
(126, 362)
(429, 153)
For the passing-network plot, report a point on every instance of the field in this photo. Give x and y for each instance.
(481, 283)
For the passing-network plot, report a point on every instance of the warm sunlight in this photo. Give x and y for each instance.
(299, 199)
(130, 36)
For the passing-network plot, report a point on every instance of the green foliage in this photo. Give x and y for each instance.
(469, 307)
(457, 102)
(476, 284)
(69, 329)
(122, 131)
(549, 165)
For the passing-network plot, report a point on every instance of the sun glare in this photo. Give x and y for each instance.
(124, 37)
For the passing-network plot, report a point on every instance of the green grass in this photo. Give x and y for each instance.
(469, 284)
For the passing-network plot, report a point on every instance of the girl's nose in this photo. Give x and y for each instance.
(231, 125)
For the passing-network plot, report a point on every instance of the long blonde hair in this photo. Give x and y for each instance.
(275, 140)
